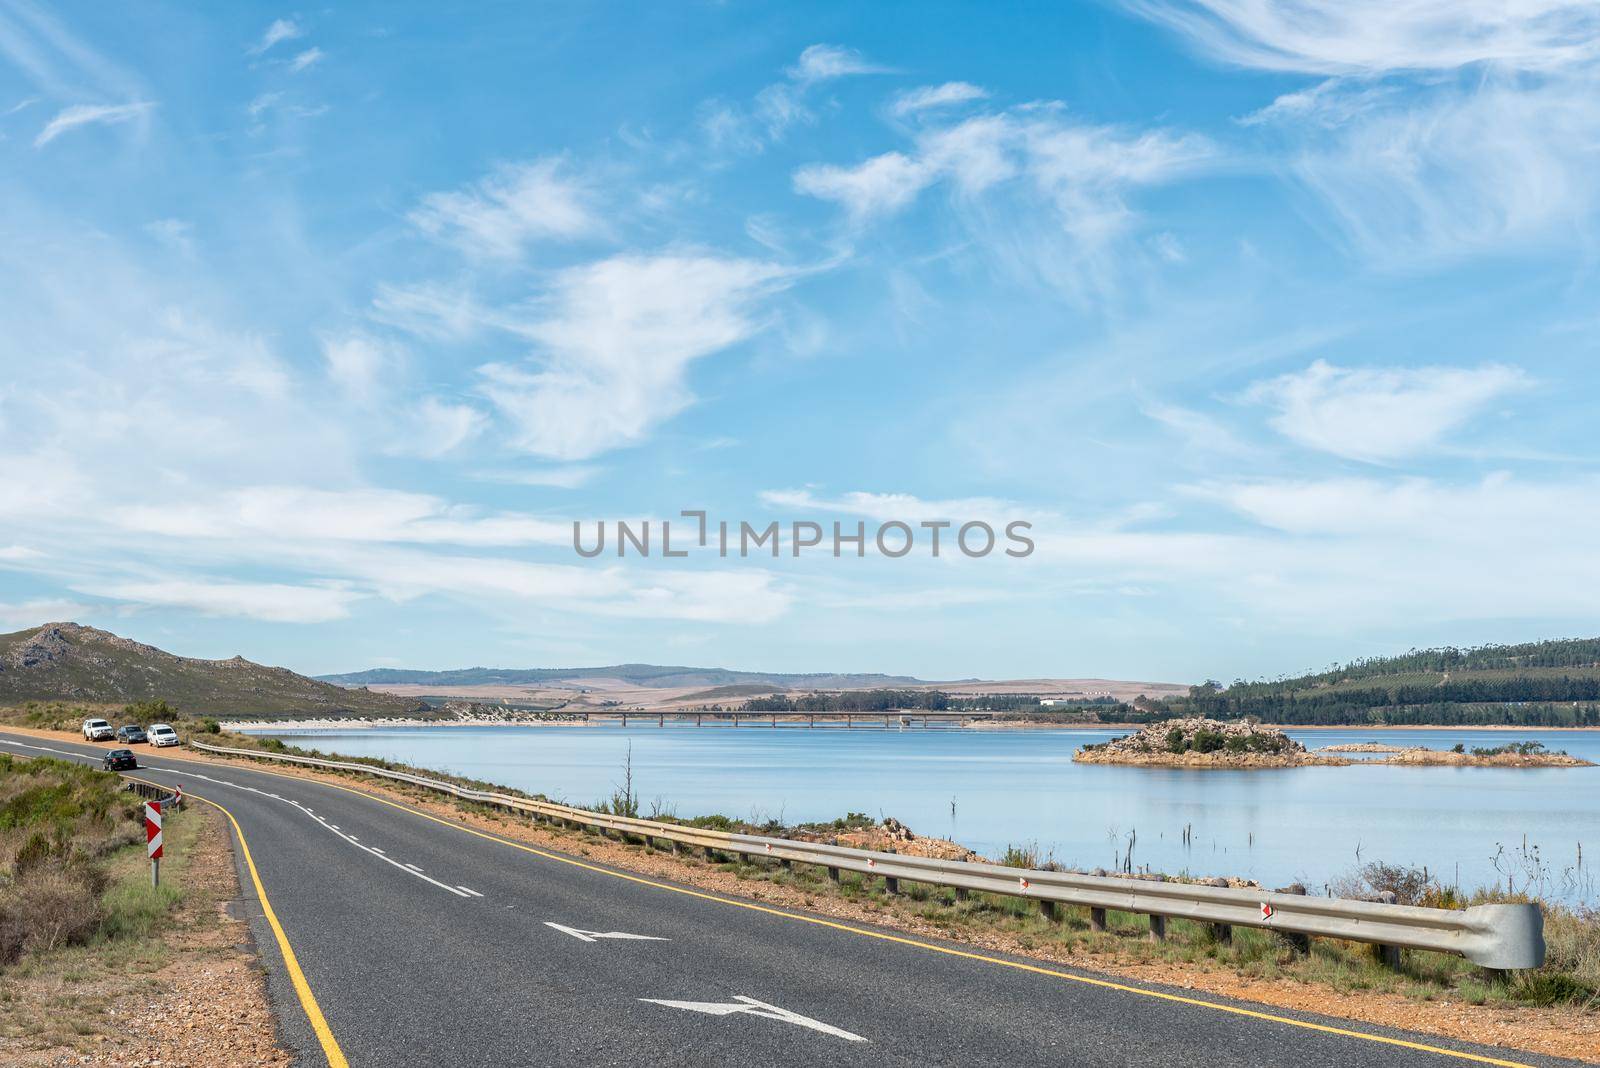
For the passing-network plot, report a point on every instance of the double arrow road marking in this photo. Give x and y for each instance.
(748, 1006)
(595, 936)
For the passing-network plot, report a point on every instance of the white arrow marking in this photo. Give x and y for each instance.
(752, 1007)
(595, 936)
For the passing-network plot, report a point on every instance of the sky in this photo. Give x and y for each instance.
(1276, 322)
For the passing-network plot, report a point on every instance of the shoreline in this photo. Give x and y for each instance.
(339, 725)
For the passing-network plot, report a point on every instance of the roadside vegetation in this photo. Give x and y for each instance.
(76, 904)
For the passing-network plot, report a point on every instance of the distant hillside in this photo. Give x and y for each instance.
(637, 674)
(68, 662)
(1550, 683)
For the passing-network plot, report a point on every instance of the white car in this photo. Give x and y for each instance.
(162, 735)
(98, 730)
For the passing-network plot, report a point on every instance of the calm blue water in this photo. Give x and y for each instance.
(988, 789)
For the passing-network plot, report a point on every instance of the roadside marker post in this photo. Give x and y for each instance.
(152, 839)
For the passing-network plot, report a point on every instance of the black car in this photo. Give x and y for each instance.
(119, 760)
(132, 733)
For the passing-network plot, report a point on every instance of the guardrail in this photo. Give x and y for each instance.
(1499, 937)
(153, 792)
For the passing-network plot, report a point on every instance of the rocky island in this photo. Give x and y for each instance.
(1205, 743)
(1211, 743)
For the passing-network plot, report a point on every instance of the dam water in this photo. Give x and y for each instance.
(989, 789)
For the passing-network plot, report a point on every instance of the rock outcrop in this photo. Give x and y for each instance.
(1204, 743)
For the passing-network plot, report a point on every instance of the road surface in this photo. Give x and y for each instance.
(416, 941)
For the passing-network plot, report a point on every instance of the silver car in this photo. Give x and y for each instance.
(162, 735)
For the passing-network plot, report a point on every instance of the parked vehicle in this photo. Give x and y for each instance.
(98, 730)
(132, 733)
(119, 760)
(162, 735)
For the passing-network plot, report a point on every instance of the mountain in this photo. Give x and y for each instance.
(652, 675)
(1547, 683)
(68, 662)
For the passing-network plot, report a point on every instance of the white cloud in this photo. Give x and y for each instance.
(270, 602)
(90, 115)
(886, 506)
(1381, 414)
(565, 476)
(431, 310)
(781, 105)
(1377, 36)
(279, 31)
(880, 186)
(614, 352)
(433, 428)
(1044, 195)
(291, 515)
(822, 62)
(359, 365)
(1199, 431)
(14, 553)
(928, 97)
(500, 215)
(1447, 170)
(1081, 168)
(20, 615)
(307, 59)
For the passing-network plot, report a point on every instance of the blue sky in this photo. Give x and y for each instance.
(320, 327)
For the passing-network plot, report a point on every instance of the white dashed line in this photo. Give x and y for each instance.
(469, 890)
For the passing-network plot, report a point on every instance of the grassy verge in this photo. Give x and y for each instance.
(76, 904)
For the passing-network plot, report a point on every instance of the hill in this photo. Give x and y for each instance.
(68, 662)
(1548, 683)
(651, 675)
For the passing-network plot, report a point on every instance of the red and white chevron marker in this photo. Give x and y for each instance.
(1266, 911)
(152, 829)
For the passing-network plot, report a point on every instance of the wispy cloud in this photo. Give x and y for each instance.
(614, 352)
(518, 204)
(307, 59)
(78, 115)
(780, 105)
(1444, 171)
(1375, 36)
(880, 186)
(930, 97)
(270, 602)
(1381, 414)
(1047, 193)
(566, 476)
(279, 31)
(823, 62)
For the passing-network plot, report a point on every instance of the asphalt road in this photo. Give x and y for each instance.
(425, 944)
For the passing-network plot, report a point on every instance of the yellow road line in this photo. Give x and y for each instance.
(880, 935)
(302, 989)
